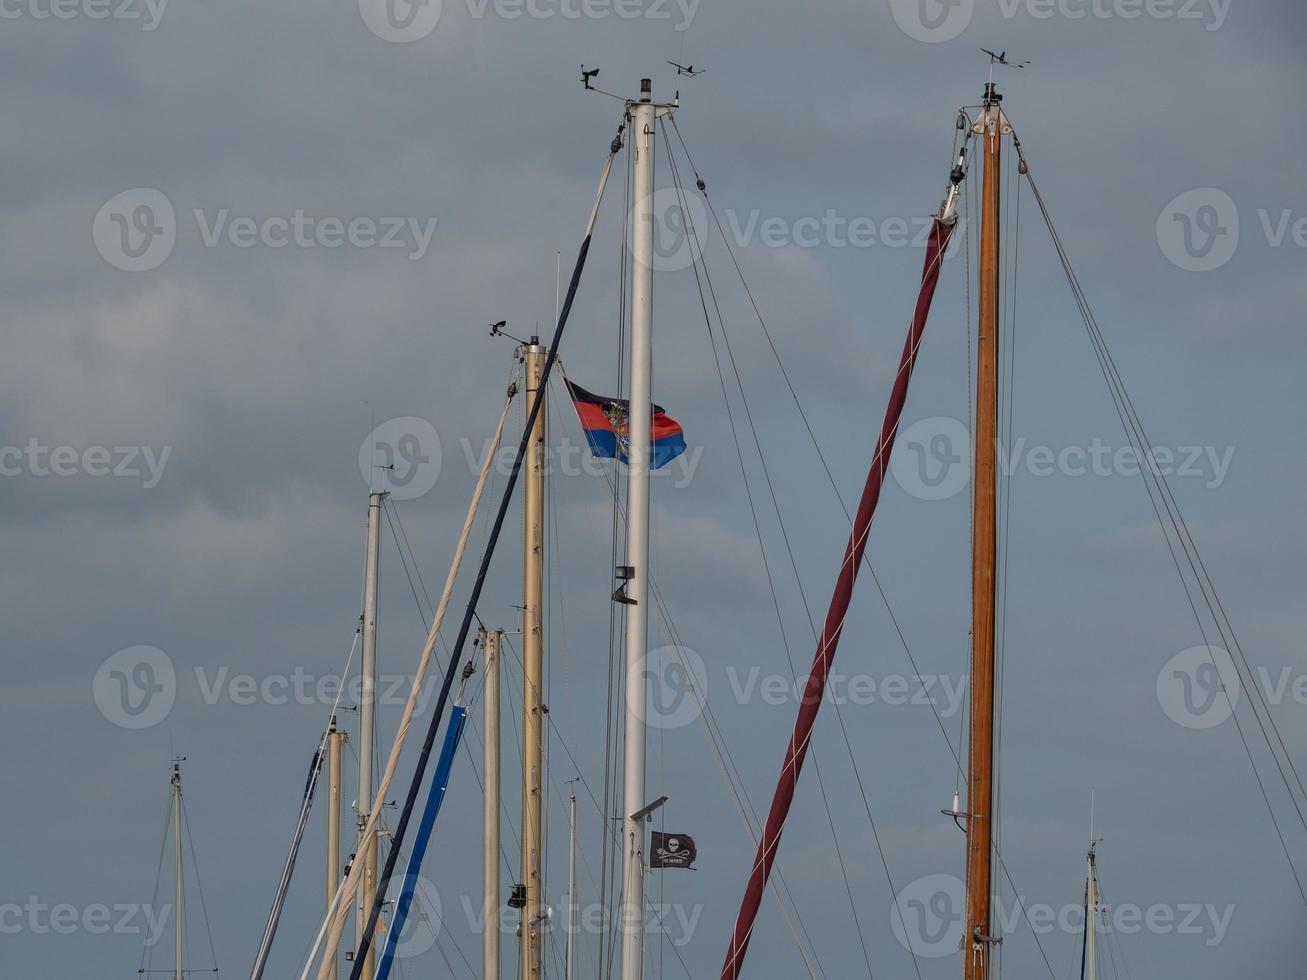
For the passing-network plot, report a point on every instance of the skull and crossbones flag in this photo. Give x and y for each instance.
(672, 851)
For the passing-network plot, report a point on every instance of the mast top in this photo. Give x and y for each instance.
(991, 96)
(646, 90)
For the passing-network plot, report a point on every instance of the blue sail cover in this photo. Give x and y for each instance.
(435, 797)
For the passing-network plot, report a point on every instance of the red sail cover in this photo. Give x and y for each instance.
(839, 607)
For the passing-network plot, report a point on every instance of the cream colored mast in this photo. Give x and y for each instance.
(491, 896)
(533, 569)
(335, 740)
(367, 848)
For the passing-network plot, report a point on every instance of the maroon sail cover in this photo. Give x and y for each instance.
(839, 607)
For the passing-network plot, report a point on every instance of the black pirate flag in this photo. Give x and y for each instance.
(672, 851)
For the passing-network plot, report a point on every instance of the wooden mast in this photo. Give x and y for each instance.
(980, 798)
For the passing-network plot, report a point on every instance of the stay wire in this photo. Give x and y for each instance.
(696, 263)
(1158, 488)
(821, 456)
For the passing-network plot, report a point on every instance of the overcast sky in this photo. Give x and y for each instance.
(239, 237)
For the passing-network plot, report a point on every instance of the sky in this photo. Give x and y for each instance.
(249, 245)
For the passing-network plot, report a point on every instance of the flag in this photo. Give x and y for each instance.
(605, 423)
(671, 851)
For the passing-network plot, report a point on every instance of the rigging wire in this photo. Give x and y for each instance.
(835, 487)
(147, 950)
(1161, 498)
(609, 860)
(199, 887)
(1007, 389)
(696, 265)
(725, 760)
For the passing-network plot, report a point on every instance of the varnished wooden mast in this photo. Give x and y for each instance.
(980, 798)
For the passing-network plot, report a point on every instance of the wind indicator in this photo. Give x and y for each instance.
(1000, 58)
(689, 71)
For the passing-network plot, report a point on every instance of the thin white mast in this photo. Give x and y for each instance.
(643, 121)
(1091, 918)
(533, 570)
(366, 850)
(490, 903)
(179, 920)
(571, 889)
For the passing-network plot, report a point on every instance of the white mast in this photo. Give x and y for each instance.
(490, 903)
(179, 921)
(366, 850)
(1091, 919)
(571, 890)
(533, 570)
(643, 120)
